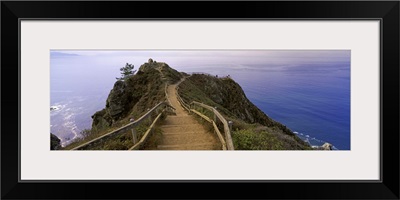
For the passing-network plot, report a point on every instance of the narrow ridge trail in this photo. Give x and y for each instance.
(183, 132)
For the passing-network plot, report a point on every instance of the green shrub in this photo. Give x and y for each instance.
(249, 139)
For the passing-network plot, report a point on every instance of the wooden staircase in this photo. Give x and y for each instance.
(183, 132)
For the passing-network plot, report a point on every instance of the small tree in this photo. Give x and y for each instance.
(126, 71)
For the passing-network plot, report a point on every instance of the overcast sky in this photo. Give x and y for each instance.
(229, 58)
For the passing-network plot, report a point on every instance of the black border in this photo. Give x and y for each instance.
(387, 11)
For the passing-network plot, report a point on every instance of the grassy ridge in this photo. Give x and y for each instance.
(252, 129)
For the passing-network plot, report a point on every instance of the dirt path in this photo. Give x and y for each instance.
(183, 132)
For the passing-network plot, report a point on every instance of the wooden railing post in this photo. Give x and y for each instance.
(149, 116)
(215, 115)
(134, 137)
(130, 126)
(230, 125)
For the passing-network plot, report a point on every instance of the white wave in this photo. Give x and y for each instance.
(68, 117)
(314, 142)
(57, 107)
(54, 108)
(74, 130)
(295, 132)
(70, 125)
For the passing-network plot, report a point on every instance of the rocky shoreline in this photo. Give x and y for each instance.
(325, 146)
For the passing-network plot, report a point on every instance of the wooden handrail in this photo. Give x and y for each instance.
(126, 127)
(147, 134)
(181, 101)
(227, 143)
(220, 137)
(228, 137)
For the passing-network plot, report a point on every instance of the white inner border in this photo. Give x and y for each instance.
(39, 163)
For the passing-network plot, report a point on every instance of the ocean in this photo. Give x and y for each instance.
(312, 99)
(315, 104)
(78, 88)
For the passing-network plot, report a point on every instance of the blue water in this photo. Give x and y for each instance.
(314, 103)
(78, 88)
(311, 98)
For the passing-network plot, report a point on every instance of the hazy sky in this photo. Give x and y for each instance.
(229, 58)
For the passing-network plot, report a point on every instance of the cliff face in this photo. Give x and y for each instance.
(252, 129)
(55, 142)
(133, 96)
(226, 94)
(229, 98)
(229, 95)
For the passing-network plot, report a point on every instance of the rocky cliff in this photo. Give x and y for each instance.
(252, 128)
(133, 96)
(55, 142)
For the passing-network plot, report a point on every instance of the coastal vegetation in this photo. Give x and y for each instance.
(126, 71)
(250, 124)
(134, 94)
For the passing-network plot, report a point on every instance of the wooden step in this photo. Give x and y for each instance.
(178, 120)
(197, 146)
(188, 139)
(180, 125)
(182, 128)
(181, 133)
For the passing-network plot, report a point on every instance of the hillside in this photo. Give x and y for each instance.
(132, 97)
(135, 95)
(252, 129)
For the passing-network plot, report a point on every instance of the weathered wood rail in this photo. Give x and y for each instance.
(226, 141)
(163, 106)
(147, 134)
(217, 115)
(159, 109)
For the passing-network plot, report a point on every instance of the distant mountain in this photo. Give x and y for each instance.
(61, 54)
